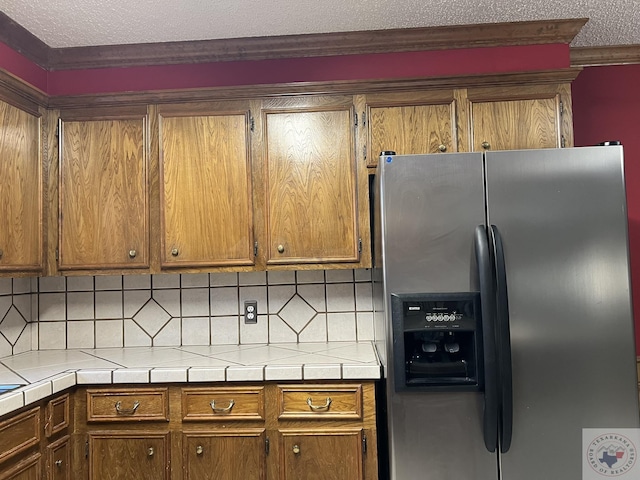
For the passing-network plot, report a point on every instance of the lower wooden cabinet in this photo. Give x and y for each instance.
(259, 431)
(128, 455)
(28, 469)
(59, 459)
(225, 455)
(322, 454)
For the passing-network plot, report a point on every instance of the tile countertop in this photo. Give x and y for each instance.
(47, 372)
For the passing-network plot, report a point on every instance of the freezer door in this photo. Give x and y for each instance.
(562, 218)
(431, 206)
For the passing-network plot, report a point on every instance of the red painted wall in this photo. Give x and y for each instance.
(351, 67)
(606, 106)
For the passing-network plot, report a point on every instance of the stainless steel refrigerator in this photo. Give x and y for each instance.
(503, 310)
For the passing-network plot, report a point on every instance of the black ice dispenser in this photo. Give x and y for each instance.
(437, 341)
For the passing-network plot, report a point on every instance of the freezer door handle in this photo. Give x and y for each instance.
(488, 308)
(504, 343)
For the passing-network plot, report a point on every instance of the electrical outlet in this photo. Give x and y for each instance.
(251, 311)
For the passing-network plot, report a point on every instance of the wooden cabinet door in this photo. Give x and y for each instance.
(321, 454)
(205, 178)
(225, 455)
(128, 456)
(59, 459)
(311, 183)
(523, 118)
(413, 122)
(21, 192)
(28, 469)
(103, 193)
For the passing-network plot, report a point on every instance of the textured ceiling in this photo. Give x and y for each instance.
(70, 23)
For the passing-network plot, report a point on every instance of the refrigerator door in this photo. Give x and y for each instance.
(562, 218)
(430, 206)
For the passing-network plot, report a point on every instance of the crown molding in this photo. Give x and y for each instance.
(610, 55)
(23, 41)
(21, 94)
(288, 46)
(342, 87)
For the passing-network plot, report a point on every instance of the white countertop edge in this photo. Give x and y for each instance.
(68, 378)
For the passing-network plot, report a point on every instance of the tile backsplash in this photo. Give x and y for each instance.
(184, 309)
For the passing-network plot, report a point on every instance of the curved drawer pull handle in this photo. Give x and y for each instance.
(296, 449)
(222, 409)
(199, 450)
(124, 411)
(316, 408)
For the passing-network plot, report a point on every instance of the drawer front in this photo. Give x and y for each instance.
(27, 469)
(19, 433)
(127, 405)
(306, 402)
(223, 403)
(57, 416)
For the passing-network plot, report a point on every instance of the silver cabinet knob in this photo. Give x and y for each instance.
(280, 248)
(199, 450)
(486, 145)
(175, 252)
(150, 452)
(296, 449)
(132, 253)
(58, 463)
(442, 148)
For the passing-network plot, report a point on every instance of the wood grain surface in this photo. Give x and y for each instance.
(311, 186)
(21, 194)
(103, 194)
(206, 194)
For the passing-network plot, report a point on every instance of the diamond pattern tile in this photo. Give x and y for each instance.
(152, 317)
(12, 325)
(297, 313)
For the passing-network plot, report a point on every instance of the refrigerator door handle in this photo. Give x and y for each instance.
(488, 308)
(504, 343)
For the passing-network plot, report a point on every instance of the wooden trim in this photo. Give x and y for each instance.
(23, 41)
(20, 94)
(341, 87)
(608, 55)
(317, 44)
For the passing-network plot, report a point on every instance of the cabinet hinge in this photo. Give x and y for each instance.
(252, 123)
(58, 128)
(57, 254)
(563, 141)
(86, 449)
(266, 445)
(364, 443)
(364, 119)
(255, 249)
(364, 152)
(561, 108)
(360, 245)
(355, 124)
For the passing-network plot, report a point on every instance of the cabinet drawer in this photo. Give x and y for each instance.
(224, 403)
(127, 405)
(19, 433)
(57, 415)
(320, 402)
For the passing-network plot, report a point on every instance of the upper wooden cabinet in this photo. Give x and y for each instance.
(311, 181)
(21, 237)
(103, 216)
(205, 185)
(469, 119)
(410, 122)
(519, 118)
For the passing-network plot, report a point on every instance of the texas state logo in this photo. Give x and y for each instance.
(610, 454)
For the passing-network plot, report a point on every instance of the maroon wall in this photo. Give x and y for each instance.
(606, 106)
(350, 67)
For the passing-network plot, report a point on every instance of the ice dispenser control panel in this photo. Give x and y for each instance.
(436, 341)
